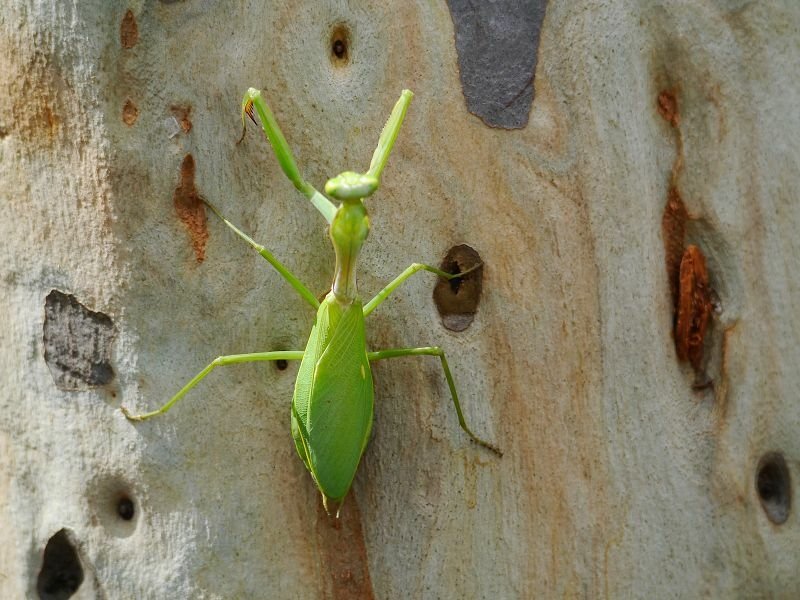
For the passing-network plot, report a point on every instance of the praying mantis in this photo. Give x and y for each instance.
(332, 406)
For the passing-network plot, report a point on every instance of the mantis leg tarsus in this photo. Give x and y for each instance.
(411, 270)
(220, 361)
(472, 269)
(247, 109)
(437, 351)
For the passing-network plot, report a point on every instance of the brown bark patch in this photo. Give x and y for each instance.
(344, 553)
(182, 114)
(129, 112)
(668, 107)
(44, 104)
(673, 231)
(190, 208)
(128, 30)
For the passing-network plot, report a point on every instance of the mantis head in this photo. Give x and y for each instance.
(351, 186)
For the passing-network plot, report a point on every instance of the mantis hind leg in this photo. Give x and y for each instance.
(220, 361)
(436, 351)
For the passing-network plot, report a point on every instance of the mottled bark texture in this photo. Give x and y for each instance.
(650, 127)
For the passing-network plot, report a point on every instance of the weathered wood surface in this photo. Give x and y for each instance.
(619, 478)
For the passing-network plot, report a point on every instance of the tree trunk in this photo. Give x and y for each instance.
(579, 151)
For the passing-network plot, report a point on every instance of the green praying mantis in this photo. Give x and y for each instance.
(332, 407)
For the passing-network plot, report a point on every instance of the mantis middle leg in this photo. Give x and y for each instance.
(414, 268)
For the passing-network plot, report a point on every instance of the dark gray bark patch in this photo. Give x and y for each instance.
(77, 343)
(497, 44)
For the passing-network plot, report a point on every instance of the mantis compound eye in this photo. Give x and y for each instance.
(351, 186)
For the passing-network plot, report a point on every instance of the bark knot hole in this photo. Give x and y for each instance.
(340, 45)
(457, 299)
(113, 504)
(774, 487)
(126, 508)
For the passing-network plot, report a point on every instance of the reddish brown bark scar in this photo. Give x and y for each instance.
(128, 30)
(673, 231)
(129, 112)
(191, 209)
(182, 114)
(341, 544)
(694, 307)
(668, 107)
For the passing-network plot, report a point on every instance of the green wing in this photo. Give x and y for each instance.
(333, 401)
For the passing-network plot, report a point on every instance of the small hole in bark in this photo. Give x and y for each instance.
(62, 573)
(125, 508)
(339, 49)
(457, 299)
(281, 364)
(113, 504)
(340, 45)
(773, 484)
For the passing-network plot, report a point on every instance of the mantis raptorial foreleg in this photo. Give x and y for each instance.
(253, 100)
(220, 361)
(286, 273)
(414, 268)
(436, 351)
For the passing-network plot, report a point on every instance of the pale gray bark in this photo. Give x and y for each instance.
(619, 479)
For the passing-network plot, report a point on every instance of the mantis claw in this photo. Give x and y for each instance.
(129, 416)
(488, 446)
(473, 268)
(247, 109)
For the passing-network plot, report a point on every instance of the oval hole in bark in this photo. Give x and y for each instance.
(340, 45)
(62, 573)
(774, 487)
(457, 299)
(281, 364)
(113, 504)
(126, 509)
